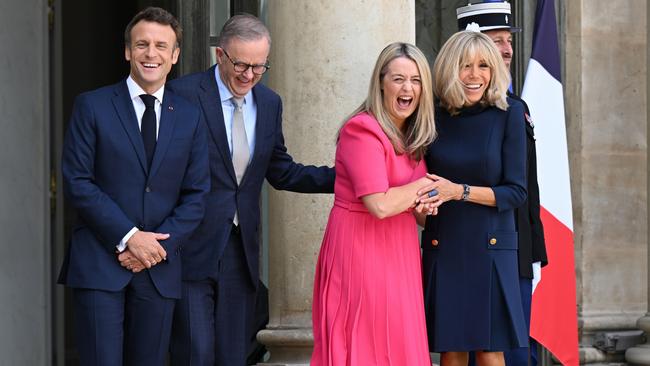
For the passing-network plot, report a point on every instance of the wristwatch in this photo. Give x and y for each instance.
(465, 193)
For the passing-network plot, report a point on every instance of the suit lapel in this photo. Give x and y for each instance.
(166, 130)
(124, 107)
(211, 105)
(260, 131)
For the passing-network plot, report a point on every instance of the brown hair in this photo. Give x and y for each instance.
(156, 15)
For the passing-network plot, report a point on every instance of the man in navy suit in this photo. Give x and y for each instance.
(212, 322)
(135, 166)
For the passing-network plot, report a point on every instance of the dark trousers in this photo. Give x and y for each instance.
(524, 356)
(213, 320)
(127, 327)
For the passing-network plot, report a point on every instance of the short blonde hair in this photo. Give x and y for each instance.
(459, 49)
(420, 126)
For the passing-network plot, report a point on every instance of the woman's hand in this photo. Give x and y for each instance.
(447, 191)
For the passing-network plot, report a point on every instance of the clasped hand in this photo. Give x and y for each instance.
(428, 200)
(422, 205)
(143, 251)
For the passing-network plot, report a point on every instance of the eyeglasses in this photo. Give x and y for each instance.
(242, 66)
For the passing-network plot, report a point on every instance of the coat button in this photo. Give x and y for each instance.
(434, 242)
(493, 241)
(147, 189)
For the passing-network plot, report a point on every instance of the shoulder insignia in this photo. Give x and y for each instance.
(529, 120)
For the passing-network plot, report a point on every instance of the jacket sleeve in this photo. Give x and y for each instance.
(102, 215)
(536, 227)
(285, 174)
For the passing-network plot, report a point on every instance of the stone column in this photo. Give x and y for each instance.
(640, 355)
(608, 159)
(26, 275)
(322, 56)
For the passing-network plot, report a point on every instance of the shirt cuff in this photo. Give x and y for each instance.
(122, 245)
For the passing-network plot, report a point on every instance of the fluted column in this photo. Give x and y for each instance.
(322, 56)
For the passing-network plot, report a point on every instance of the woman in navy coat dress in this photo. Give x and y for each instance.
(471, 281)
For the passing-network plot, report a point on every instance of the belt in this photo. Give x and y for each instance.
(350, 206)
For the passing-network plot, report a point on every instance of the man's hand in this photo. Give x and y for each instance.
(145, 247)
(130, 262)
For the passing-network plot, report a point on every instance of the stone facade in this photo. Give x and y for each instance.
(322, 56)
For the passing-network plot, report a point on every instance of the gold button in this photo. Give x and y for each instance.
(493, 241)
(434, 242)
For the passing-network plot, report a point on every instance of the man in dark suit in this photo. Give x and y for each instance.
(212, 322)
(135, 166)
(493, 19)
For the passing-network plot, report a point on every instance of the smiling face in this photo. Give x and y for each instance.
(254, 52)
(475, 77)
(502, 38)
(401, 86)
(152, 53)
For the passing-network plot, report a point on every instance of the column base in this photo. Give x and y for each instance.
(287, 346)
(640, 355)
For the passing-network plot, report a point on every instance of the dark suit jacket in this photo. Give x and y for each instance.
(105, 177)
(532, 247)
(270, 160)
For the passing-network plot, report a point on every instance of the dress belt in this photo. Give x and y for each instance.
(350, 206)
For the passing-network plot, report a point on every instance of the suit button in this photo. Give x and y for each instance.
(493, 241)
(147, 189)
(434, 242)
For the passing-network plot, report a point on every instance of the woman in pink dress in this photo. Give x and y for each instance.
(368, 304)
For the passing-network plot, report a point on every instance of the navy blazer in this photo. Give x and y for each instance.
(270, 160)
(105, 177)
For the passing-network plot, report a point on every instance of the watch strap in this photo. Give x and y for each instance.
(465, 193)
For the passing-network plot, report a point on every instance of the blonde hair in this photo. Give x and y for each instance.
(460, 48)
(420, 126)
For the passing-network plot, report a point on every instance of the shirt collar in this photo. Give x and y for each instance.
(225, 93)
(135, 90)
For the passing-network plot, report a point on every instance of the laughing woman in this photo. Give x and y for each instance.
(470, 248)
(368, 304)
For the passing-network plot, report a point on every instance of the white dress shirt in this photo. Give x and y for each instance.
(249, 110)
(138, 105)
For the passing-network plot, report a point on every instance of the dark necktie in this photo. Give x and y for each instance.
(148, 126)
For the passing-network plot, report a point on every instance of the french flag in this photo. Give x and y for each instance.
(554, 321)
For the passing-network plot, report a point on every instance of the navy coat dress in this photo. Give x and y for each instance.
(471, 280)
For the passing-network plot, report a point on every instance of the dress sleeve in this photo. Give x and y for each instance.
(511, 192)
(363, 155)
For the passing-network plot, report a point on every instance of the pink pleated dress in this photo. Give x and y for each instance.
(368, 304)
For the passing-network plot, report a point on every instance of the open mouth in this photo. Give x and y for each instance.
(148, 65)
(404, 102)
